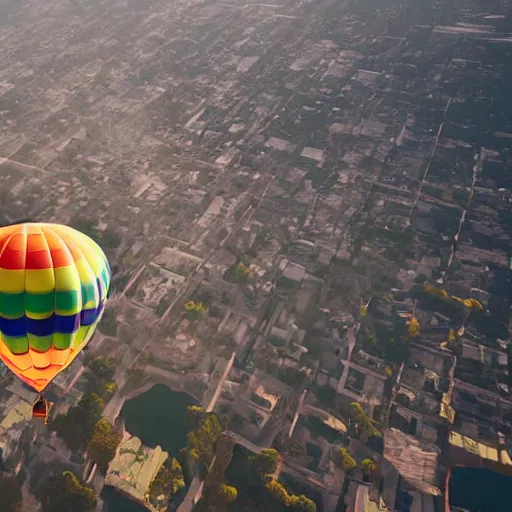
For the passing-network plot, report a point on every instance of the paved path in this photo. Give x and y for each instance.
(220, 386)
(297, 414)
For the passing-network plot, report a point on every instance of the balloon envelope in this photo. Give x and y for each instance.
(54, 282)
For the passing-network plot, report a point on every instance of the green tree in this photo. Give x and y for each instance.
(64, 492)
(413, 328)
(302, 503)
(368, 465)
(223, 455)
(227, 493)
(265, 462)
(278, 491)
(348, 463)
(194, 309)
(103, 444)
(282, 496)
(435, 291)
(169, 479)
(218, 495)
(76, 427)
(11, 498)
(109, 387)
(453, 342)
(201, 439)
(176, 475)
(195, 415)
(91, 407)
(365, 424)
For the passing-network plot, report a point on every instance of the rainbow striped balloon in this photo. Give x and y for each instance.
(54, 283)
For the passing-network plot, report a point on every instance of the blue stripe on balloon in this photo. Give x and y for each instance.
(54, 324)
(88, 316)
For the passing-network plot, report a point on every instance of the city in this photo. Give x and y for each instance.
(308, 215)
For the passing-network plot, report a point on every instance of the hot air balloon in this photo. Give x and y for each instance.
(54, 283)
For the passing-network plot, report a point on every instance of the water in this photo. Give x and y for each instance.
(480, 490)
(115, 502)
(157, 417)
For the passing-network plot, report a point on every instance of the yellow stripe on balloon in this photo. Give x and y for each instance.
(67, 278)
(12, 281)
(85, 272)
(39, 281)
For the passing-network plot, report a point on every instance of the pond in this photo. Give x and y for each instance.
(116, 502)
(480, 490)
(157, 417)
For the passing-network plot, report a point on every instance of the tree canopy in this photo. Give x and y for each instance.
(169, 481)
(258, 488)
(368, 465)
(435, 291)
(201, 441)
(195, 415)
(103, 444)
(282, 496)
(265, 462)
(64, 492)
(348, 463)
(278, 491)
(204, 431)
(176, 476)
(227, 493)
(436, 299)
(194, 309)
(366, 425)
(413, 328)
(217, 493)
(471, 304)
(302, 502)
(76, 427)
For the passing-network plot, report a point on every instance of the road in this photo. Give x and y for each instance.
(361, 498)
(297, 414)
(220, 386)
